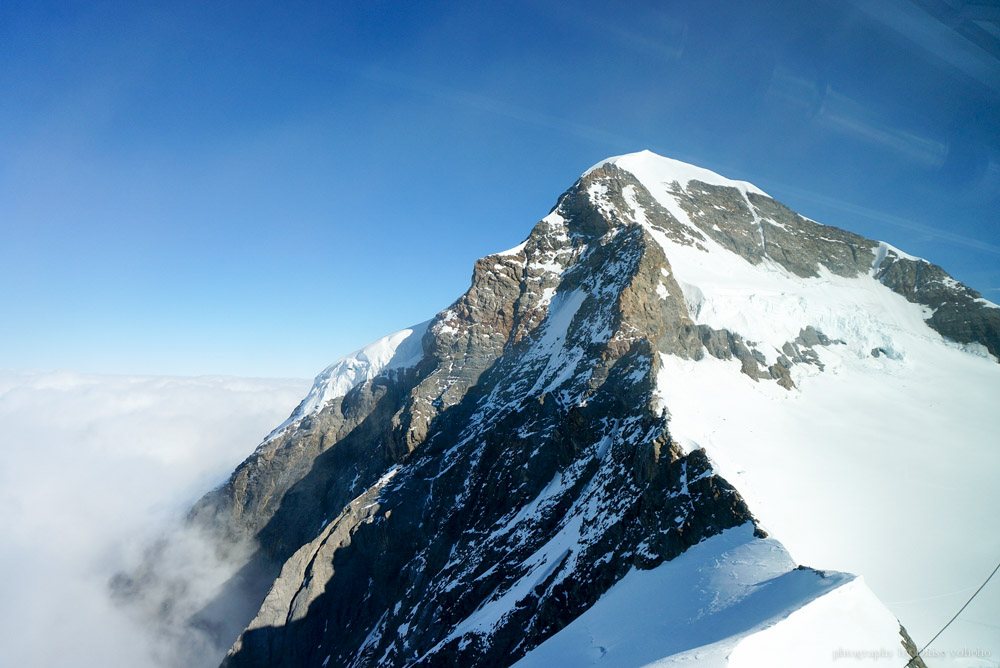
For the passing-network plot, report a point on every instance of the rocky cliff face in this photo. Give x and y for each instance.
(464, 502)
(958, 312)
(536, 389)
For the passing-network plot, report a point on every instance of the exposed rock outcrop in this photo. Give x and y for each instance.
(957, 311)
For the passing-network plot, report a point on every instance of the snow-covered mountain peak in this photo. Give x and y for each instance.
(748, 265)
(655, 170)
(606, 410)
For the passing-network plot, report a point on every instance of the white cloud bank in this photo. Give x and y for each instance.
(92, 469)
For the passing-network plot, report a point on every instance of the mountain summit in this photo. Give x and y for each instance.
(571, 463)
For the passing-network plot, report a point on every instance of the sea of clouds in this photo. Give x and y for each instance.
(93, 469)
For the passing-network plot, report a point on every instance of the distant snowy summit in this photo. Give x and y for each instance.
(574, 462)
(398, 350)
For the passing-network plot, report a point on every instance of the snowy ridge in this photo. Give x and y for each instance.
(657, 171)
(512, 251)
(884, 249)
(741, 603)
(398, 350)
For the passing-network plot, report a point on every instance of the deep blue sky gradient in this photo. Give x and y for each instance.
(257, 188)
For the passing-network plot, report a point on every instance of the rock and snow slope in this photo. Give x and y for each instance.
(399, 350)
(606, 423)
(731, 600)
(895, 421)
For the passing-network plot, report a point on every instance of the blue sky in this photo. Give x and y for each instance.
(257, 188)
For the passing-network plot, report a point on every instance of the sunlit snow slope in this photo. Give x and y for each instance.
(877, 465)
(618, 446)
(733, 601)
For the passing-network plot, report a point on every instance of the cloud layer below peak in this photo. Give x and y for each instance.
(95, 468)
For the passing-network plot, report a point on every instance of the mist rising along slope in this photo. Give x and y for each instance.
(578, 428)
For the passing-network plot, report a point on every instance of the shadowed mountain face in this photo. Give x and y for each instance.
(463, 505)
